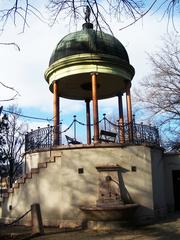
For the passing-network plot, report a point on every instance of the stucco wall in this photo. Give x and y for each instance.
(172, 162)
(159, 188)
(32, 159)
(61, 190)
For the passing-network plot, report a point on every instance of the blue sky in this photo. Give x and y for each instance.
(24, 69)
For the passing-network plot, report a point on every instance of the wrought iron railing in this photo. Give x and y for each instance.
(44, 137)
(40, 138)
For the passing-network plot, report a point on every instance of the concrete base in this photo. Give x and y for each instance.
(62, 180)
(107, 225)
(114, 213)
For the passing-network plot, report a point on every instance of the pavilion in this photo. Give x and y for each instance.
(113, 172)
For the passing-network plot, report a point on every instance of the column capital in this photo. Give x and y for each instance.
(119, 94)
(92, 73)
(87, 100)
(128, 84)
(55, 81)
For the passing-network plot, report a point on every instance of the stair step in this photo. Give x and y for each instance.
(16, 185)
(42, 165)
(28, 176)
(34, 170)
(52, 160)
(10, 190)
(21, 180)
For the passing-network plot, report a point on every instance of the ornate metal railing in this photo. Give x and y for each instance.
(40, 138)
(141, 133)
(44, 137)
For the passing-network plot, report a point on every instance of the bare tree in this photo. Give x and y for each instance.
(12, 150)
(18, 11)
(160, 91)
(133, 10)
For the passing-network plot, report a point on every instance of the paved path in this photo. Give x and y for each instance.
(168, 229)
(162, 231)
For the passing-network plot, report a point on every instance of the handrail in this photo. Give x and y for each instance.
(43, 137)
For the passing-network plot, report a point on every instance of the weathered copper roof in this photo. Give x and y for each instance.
(82, 53)
(88, 40)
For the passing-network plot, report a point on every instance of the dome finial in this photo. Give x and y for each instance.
(87, 12)
(87, 24)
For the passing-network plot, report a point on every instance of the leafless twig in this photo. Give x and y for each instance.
(12, 89)
(159, 93)
(10, 43)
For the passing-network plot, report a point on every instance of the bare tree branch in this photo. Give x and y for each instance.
(159, 93)
(18, 11)
(10, 43)
(12, 89)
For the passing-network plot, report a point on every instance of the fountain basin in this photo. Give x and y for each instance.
(109, 213)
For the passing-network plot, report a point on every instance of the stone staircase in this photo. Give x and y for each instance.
(24, 179)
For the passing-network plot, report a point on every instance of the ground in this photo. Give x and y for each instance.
(167, 229)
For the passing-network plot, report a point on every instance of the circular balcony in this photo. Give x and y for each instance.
(110, 133)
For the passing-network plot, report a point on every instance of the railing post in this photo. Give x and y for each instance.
(74, 127)
(60, 133)
(38, 137)
(121, 119)
(142, 133)
(51, 135)
(26, 142)
(104, 120)
(150, 138)
(134, 129)
(118, 131)
(88, 121)
(48, 134)
(32, 143)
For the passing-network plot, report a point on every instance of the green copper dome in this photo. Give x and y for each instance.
(88, 41)
(82, 53)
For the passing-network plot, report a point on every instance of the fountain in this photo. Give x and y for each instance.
(114, 202)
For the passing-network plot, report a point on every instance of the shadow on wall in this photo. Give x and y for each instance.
(69, 189)
(124, 192)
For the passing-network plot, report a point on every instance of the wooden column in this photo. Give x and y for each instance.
(95, 107)
(121, 118)
(88, 121)
(56, 113)
(129, 112)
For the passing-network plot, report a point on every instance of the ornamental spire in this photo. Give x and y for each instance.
(87, 12)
